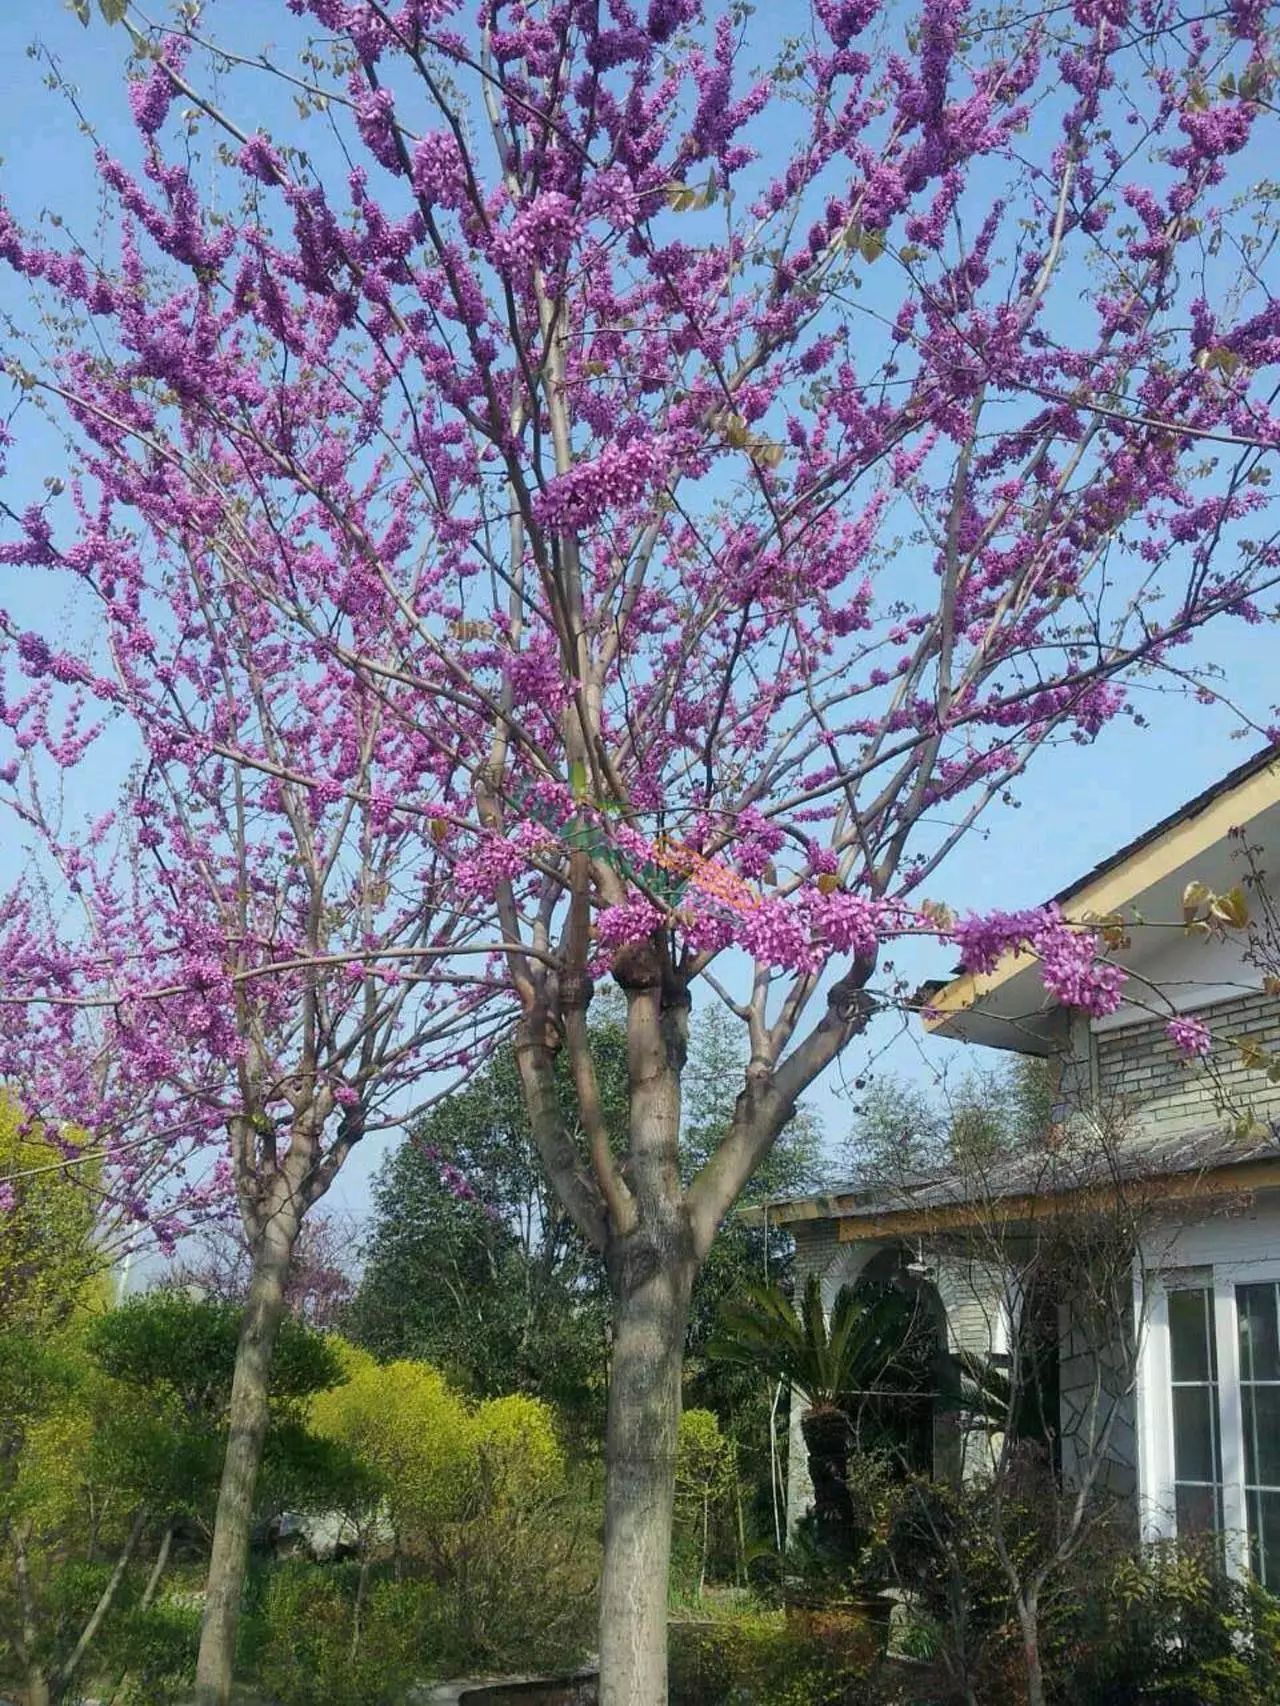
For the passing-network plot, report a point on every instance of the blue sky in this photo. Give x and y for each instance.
(1074, 807)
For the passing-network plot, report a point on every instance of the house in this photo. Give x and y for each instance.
(1159, 1178)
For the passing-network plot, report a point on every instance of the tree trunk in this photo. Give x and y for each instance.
(37, 1687)
(157, 1569)
(640, 1479)
(229, 1556)
(106, 1599)
(1029, 1618)
(828, 1437)
(38, 1692)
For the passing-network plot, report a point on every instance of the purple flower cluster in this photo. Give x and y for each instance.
(1069, 955)
(1191, 1037)
(617, 478)
(621, 926)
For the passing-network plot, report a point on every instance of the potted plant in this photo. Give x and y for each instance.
(833, 1364)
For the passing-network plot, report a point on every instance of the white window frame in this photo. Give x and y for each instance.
(1155, 1406)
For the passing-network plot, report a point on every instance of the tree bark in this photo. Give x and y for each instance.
(250, 1389)
(157, 1569)
(38, 1692)
(640, 1478)
(828, 1438)
(1029, 1617)
(106, 1600)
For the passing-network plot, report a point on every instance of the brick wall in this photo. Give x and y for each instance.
(1141, 1076)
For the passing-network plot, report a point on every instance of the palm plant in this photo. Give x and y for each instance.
(833, 1363)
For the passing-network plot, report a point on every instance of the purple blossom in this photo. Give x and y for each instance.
(1191, 1037)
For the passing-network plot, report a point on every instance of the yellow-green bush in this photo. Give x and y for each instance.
(478, 1501)
(408, 1425)
(312, 1652)
(756, 1658)
(515, 1442)
(439, 1458)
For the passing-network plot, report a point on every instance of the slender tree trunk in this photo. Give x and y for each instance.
(1029, 1618)
(250, 1387)
(157, 1569)
(741, 1526)
(362, 1585)
(640, 1480)
(106, 1600)
(38, 1693)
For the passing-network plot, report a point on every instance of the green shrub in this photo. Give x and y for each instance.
(152, 1653)
(309, 1652)
(516, 1586)
(757, 1658)
(1171, 1626)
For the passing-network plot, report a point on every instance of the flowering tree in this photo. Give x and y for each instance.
(714, 490)
(219, 981)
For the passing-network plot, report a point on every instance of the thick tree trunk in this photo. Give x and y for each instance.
(38, 1693)
(640, 1465)
(828, 1438)
(229, 1557)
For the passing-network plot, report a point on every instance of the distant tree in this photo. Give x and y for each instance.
(216, 1263)
(740, 1396)
(49, 1263)
(875, 1343)
(900, 1127)
(173, 1357)
(124, 1432)
(470, 1262)
(704, 1473)
(48, 1250)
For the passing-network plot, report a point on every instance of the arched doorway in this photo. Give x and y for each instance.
(898, 1418)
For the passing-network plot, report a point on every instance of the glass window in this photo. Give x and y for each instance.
(1257, 1318)
(1197, 1444)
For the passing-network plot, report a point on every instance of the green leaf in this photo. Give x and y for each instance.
(578, 778)
(1253, 81)
(81, 10)
(113, 11)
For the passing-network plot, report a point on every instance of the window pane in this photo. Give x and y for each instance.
(1265, 1537)
(1194, 1456)
(1190, 1341)
(1196, 1509)
(1259, 1348)
(1261, 1405)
